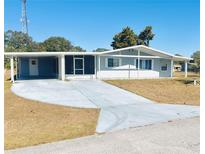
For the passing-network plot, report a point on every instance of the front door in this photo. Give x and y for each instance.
(78, 66)
(33, 67)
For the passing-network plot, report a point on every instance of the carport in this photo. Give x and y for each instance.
(37, 67)
(52, 65)
(32, 65)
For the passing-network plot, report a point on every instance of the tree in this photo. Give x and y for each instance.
(145, 36)
(37, 47)
(57, 44)
(125, 38)
(100, 50)
(77, 49)
(17, 41)
(196, 57)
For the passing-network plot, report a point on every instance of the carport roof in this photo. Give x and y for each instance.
(143, 48)
(44, 53)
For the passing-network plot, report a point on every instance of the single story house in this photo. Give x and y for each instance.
(126, 63)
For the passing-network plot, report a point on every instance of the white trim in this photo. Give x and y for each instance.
(106, 63)
(59, 67)
(63, 67)
(152, 64)
(80, 76)
(99, 63)
(95, 66)
(129, 72)
(74, 69)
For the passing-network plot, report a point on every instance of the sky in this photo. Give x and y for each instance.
(92, 24)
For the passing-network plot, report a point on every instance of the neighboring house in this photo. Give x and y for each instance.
(177, 68)
(125, 63)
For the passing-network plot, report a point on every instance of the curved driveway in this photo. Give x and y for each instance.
(119, 108)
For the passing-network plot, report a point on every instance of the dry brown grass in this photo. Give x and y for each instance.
(190, 75)
(173, 91)
(29, 122)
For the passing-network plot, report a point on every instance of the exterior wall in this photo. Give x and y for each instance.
(162, 62)
(128, 69)
(23, 67)
(47, 67)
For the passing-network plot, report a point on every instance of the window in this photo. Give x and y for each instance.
(164, 68)
(33, 62)
(145, 64)
(113, 62)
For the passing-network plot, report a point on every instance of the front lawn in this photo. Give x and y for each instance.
(28, 122)
(174, 91)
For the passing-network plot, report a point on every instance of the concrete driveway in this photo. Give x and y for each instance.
(119, 108)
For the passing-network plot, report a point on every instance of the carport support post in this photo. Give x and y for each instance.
(63, 67)
(12, 68)
(59, 67)
(185, 69)
(98, 66)
(172, 64)
(95, 66)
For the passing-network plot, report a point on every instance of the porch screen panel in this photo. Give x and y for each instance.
(89, 65)
(69, 64)
(47, 66)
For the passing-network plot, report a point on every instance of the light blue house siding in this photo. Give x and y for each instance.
(47, 67)
(23, 67)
